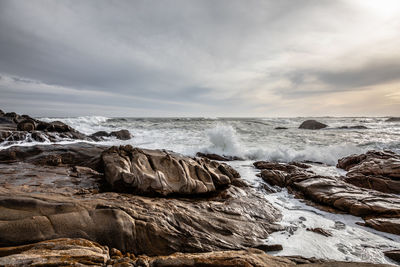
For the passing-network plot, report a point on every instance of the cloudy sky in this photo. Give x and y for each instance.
(200, 58)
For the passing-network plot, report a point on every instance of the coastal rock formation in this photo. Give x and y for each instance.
(14, 128)
(380, 210)
(121, 135)
(312, 125)
(393, 119)
(71, 201)
(81, 252)
(57, 252)
(145, 171)
(373, 170)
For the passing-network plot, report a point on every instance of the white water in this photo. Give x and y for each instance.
(256, 139)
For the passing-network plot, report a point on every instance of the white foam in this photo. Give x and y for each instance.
(84, 124)
(224, 141)
(325, 154)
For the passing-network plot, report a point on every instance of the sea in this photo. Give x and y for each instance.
(255, 139)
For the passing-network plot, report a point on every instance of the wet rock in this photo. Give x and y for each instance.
(14, 128)
(26, 125)
(312, 125)
(389, 225)
(49, 202)
(213, 156)
(320, 231)
(373, 170)
(268, 248)
(393, 255)
(160, 172)
(359, 127)
(251, 257)
(334, 192)
(393, 119)
(122, 134)
(56, 252)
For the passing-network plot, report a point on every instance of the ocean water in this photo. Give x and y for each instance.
(257, 139)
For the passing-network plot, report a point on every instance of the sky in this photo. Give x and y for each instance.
(208, 58)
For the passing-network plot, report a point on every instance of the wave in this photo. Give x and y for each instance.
(84, 124)
(225, 141)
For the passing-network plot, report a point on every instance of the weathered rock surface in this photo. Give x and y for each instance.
(312, 125)
(142, 171)
(81, 252)
(373, 170)
(57, 252)
(64, 201)
(334, 192)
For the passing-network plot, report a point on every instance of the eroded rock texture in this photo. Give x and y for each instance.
(149, 172)
(81, 252)
(373, 170)
(335, 192)
(67, 201)
(58, 252)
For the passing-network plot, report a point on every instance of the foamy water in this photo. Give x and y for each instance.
(256, 139)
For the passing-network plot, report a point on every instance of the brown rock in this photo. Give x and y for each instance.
(122, 134)
(57, 252)
(393, 255)
(334, 192)
(143, 171)
(373, 170)
(320, 231)
(47, 202)
(26, 125)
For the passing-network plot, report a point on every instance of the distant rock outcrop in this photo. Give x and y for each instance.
(393, 119)
(312, 125)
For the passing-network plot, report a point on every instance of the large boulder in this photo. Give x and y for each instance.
(143, 171)
(373, 170)
(312, 125)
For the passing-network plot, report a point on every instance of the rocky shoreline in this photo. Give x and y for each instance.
(85, 204)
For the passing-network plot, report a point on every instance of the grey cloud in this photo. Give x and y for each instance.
(171, 53)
